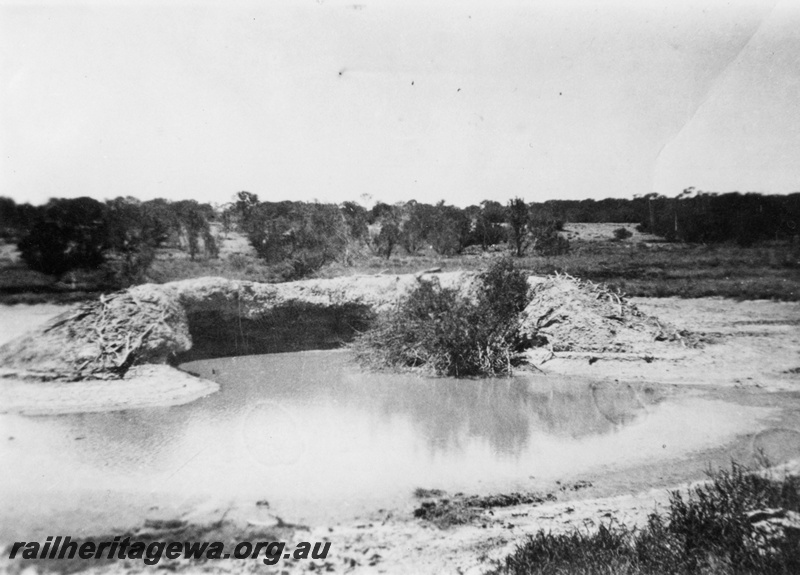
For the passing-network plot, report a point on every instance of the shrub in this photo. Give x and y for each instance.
(707, 531)
(445, 332)
(552, 244)
(129, 268)
(504, 290)
(238, 262)
(622, 233)
(544, 235)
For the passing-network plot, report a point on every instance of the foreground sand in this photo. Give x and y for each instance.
(754, 349)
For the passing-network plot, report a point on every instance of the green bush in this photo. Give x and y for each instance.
(445, 332)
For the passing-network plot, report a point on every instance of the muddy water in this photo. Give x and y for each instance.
(322, 441)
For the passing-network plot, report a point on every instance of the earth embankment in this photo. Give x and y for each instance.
(213, 317)
(205, 317)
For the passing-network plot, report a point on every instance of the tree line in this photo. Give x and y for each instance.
(311, 234)
(301, 237)
(694, 216)
(705, 217)
(122, 234)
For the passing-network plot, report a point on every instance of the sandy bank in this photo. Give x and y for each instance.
(145, 386)
(748, 344)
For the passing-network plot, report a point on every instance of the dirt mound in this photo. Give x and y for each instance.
(579, 315)
(148, 324)
(102, 339)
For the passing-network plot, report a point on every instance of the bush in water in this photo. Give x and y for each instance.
(447, 333)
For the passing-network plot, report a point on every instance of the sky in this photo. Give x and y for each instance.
(393, 100)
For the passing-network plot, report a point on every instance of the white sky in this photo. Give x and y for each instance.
(398, 99)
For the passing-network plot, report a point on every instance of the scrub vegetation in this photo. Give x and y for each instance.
(735, 523)
(694, 245)
(449, 332)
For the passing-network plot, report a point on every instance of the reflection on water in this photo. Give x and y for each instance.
(319, 439)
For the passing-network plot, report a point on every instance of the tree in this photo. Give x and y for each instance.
(133, 233)
(487, 224)
(66, 234)
(8, 218)
(319, 236)
(163, 219)
(355, 217)
(303, 237)
(193, 221)
(416, 224)
(388, 239)
(517, 217)
(389, 236)
(380, 211)
(245, 204)
(226, 215)
(449, 232)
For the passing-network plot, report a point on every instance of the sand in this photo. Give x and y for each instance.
(143, 386)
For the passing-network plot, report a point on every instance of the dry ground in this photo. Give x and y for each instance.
(753, 343)
(603, 232)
